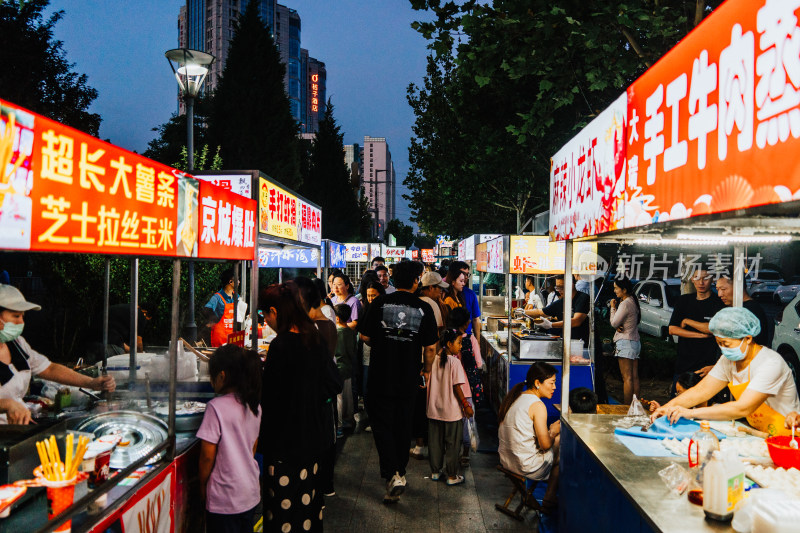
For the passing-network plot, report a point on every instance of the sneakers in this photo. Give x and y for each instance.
(458, 480)
(396, 485)
(435, 476)
(416, 452)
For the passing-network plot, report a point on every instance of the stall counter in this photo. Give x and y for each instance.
(605, 487)
(505, 372)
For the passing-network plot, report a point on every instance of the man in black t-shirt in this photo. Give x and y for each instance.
(402, 333)
(581, 303)
(725, 293)
(697, 349)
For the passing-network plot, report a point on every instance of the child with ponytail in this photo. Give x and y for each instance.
(228, 471)
(446, 408)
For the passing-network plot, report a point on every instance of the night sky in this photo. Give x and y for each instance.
(370, 51)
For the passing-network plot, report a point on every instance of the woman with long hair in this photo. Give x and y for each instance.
(625, 317)
(527, 446)
(343, 293)
(453, 296)
(299, 378)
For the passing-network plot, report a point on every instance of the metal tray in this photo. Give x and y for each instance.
(142, 432)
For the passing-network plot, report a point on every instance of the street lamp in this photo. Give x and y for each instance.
(191, 73)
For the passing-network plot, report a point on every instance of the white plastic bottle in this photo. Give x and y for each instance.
(723, 486)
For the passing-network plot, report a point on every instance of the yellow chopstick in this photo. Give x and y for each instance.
(58, 456)
(68, 454)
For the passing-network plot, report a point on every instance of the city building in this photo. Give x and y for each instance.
(352, 159)
(378, 179)
(209, 26)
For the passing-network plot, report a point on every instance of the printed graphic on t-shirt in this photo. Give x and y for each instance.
(401, 322)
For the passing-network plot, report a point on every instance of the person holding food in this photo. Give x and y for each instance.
(19, 362)
(758, 378)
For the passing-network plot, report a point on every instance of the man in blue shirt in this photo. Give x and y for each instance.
(470, 299)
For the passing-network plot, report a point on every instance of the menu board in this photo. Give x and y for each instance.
(481, 257)
(287, 257)
(495, 256)
(538, 255)
(62, 190)
(356, 252)
(427, 255)
(336, 255)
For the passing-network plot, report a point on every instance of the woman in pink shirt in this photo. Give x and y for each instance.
(446, 408)
(625, 317)
(229, 432)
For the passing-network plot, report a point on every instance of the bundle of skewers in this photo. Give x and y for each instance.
(52, 467)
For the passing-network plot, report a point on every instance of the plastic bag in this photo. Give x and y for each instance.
(636, 408)
(474, 440)
(676, 478)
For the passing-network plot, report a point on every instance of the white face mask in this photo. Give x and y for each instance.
(10, 331)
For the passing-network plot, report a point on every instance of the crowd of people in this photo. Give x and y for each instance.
(398, 355)
(395, 355)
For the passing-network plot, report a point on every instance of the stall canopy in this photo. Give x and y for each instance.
(711, 129)
(62, 190)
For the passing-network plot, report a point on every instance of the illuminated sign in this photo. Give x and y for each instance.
(394, 252)
(287, 257)
(539, 255)
(239, 183)
(336, 255)
(62, 190)
(315, 92)
(494, 250)
(427, 255)
(227, 224)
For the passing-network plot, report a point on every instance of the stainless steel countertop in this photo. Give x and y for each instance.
(637, 477)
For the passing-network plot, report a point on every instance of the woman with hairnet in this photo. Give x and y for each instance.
(760, 381)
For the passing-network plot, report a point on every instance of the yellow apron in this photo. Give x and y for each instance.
(765, 418)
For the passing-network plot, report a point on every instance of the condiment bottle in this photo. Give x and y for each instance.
(705, 443)
(723, 486)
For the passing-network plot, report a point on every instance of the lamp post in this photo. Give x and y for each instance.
(191, 73)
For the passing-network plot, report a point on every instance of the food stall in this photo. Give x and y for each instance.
(695, 153)
(511, 350)
(65, 191)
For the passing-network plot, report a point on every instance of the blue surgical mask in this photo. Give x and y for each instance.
(733, 354)
(10, 331)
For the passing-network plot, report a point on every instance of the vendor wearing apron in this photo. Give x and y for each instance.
(221, 304)
(18, 361)
(758, 378)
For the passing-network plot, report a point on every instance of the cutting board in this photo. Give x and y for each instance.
(661, 429)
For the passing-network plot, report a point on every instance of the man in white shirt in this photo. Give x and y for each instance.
(383, 277)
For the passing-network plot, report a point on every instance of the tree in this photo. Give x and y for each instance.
(403, 233)
(250, 116)
(527, 75)
(35, 72)
(329, 186)
(423, 241)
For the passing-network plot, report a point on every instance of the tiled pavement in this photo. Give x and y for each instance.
(426, 506)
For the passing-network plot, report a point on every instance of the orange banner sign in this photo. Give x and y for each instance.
(227, 224)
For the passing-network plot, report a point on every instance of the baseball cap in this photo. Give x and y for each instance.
(12, 299)
(433, 278)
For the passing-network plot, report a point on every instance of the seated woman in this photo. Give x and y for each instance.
(527, 446)
(759, 380)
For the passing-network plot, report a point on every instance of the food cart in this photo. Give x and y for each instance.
(65, 191)
(695, 153)
(513, 344)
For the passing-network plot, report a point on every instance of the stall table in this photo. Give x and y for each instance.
(605, 487)
(503, 375)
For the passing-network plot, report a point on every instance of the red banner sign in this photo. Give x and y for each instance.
(62, 190)
(237, 338)
(227, 224)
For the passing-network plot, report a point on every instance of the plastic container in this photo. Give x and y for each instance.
(705, 443)
(723, 485)
(776, 516)
(781, 453)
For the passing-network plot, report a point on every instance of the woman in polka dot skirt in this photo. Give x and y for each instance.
(299, 376)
